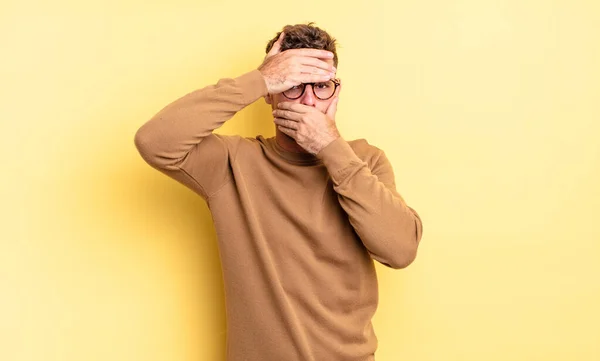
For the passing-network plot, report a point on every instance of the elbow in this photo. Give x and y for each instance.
(404, 258)
(141, 139)
(408, 246)
(146, 147)
(404, 252)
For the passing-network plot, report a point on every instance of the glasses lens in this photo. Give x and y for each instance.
(324, 90)
(294, 92)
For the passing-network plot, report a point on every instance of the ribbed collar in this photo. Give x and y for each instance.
(292, 157)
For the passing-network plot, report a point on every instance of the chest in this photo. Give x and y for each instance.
(299, 212)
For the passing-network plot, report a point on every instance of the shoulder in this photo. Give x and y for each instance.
(235, 142)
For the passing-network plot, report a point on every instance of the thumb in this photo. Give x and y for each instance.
(277, 46)
(332, 109)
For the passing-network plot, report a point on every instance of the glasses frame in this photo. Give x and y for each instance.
(335, 81)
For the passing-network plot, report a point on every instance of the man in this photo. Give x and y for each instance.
(300, 216)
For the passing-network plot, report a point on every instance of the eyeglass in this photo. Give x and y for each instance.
(322, 90)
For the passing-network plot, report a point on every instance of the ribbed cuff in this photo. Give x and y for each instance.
(253, 85)
(339, 158)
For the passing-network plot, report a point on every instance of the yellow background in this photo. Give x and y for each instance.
(488, 110)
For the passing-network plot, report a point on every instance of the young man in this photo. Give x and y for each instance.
(300, 216)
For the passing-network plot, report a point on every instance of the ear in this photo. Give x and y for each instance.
(268, 99)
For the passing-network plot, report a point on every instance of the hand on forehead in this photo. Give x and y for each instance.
(284, 69)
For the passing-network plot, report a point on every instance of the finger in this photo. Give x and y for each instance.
(287, 114)
(308, 78)
(332, 108)
(318, 63)
(308, 69)
(294, 107)
(286, 123)
(288, 131)
(315, 53)
(277, 46)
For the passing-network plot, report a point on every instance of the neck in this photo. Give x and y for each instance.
(288, 143)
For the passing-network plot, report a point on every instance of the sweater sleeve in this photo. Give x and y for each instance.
(389, 229)
(179, 140)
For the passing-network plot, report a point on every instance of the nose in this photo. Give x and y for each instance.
(308, 98)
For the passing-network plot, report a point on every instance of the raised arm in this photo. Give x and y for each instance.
(179, 140)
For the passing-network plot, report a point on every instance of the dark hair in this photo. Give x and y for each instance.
(306, 36)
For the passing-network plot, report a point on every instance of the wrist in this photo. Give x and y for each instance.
(253, 85)
(268, 82)
(328, 141)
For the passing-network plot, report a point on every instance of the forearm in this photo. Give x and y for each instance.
(169, 135)
(389, 229)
